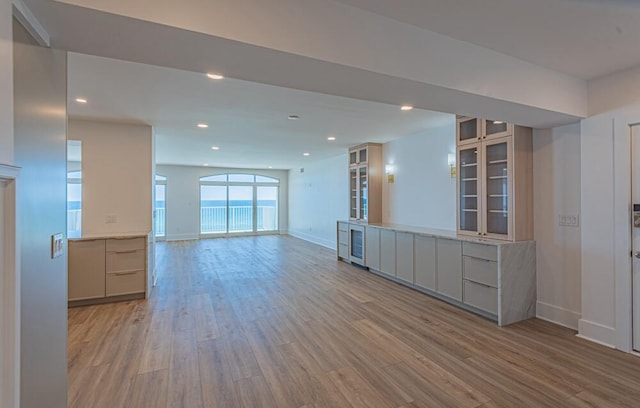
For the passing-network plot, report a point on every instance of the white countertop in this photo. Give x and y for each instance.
(430, 232)
(112, 235)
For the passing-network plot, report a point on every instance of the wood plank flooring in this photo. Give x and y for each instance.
(274, 321)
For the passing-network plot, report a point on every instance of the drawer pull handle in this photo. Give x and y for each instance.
(126, 252)
(125, 273)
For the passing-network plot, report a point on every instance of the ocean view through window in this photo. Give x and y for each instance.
(238, 203)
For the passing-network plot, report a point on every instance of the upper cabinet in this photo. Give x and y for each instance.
(365, 183)
(495, 182)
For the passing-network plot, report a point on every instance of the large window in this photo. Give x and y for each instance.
(161, 206)
(238, 203)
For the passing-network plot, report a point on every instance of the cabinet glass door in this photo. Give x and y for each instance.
(496, 159)
(362, 155)
(468, 130)
(496, 128)
(353, 193)
(364, 208)
(353, 158)
(469, 173)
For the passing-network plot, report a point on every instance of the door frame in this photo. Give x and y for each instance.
(634, 318)
(10, 290)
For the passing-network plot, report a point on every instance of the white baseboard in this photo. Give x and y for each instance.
(311, 238)
(597, 333)
(558, 315)
(181, 237)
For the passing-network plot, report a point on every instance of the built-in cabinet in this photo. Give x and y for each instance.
(104, 269)
(495, 179)
(493, 278)
(365, 183)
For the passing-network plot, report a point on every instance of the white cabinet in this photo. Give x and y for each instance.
(343, 240)
(425, 262)
(365, 183)
(404, 256)
(495, 182)
(449, 268)
(372, 247)
(496, 279)
(86, 269)
(388, 252)
(107, 269)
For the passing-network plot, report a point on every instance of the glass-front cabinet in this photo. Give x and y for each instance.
(469, 173)
(365, 183)
(468, 130)
(494, 178)
(497, 198)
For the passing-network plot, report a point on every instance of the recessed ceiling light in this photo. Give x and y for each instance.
(406, 107)
(331, 138)
(293, 117)
(270, 167)
(203, 125)
(206, 164)
(81, 100)
(306, 154)
(213, 75)
(498, 122)
(215, 148)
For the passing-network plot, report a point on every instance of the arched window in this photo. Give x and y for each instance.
(238, 203)
(160, 218)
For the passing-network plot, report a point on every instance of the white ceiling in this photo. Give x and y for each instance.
(582, 38)
(247, 120)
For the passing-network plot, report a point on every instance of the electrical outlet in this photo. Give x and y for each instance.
(110, 219)
(569, 220)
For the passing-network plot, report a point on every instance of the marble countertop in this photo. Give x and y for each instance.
(114, 235)
(431, 232)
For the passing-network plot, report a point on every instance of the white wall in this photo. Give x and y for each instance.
(556, 185)
(183, 197)
(117, 176)
(423, 193)
(318, 198)
(6, 84)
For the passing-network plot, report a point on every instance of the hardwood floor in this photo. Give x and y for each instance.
(277, 322)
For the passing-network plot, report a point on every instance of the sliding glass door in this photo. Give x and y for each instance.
(238, 203)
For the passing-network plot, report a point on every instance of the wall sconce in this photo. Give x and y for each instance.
(451, 160)
(388, 169)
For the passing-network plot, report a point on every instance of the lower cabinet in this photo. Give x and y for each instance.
(86, 269)
(343, 240)
(404, 256)
(388, 252)
(107, 267)
(494, 279)
(449, 268)
(372, 247)
(425, 262)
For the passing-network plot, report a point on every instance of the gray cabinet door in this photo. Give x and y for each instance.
(372, 247)
(425, 258)
(86, 269)
(404, 256)
(388, 252)
(449, 281)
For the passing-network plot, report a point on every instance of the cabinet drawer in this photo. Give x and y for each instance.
(480, 296)
(343, 237)
(124, 283)
(126, 244)
(343, 250)
(480, 270)
(125, 261)
(343, 227)
(482, 251)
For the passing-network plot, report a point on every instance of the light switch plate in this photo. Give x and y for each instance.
(57, 245)
(569, 220)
